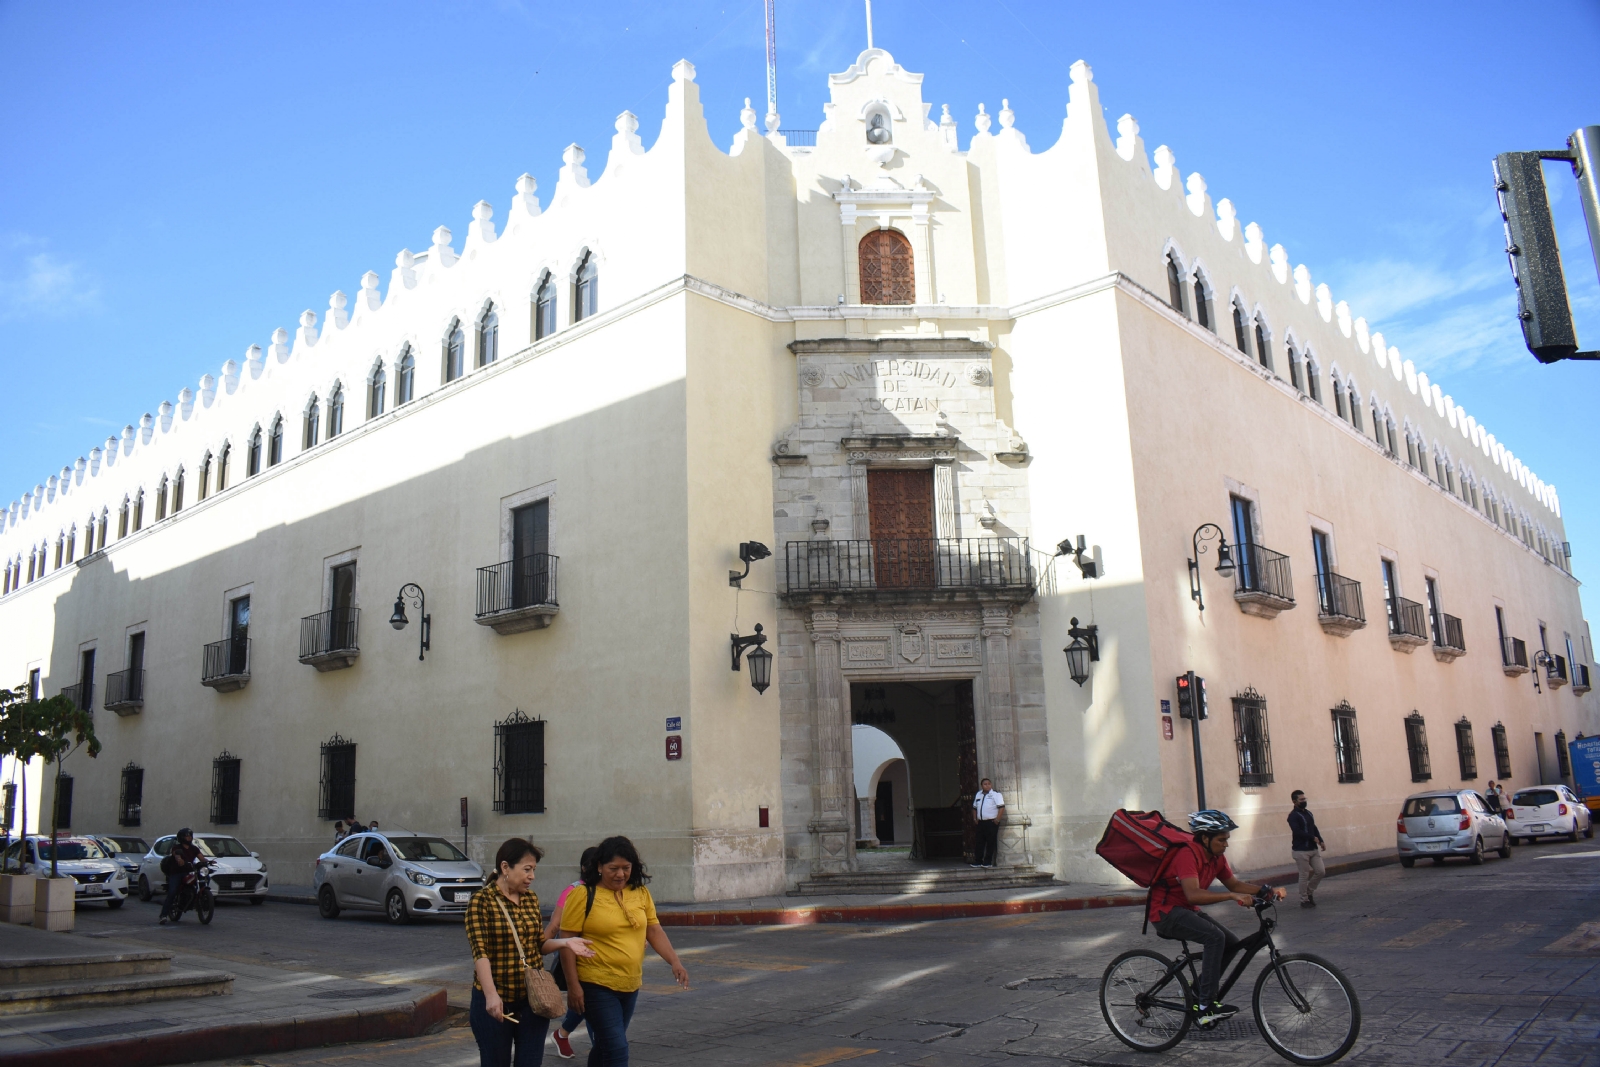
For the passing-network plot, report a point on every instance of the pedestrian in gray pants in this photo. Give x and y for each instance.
(1307, 847)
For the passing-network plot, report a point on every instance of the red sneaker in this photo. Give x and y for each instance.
(563, 1044)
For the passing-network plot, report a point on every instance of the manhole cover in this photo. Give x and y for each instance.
(357, 993)
(84, 1033)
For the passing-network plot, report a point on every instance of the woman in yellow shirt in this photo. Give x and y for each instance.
(616, 915)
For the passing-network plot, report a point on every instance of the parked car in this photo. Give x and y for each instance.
(127, 852)
(400, 874)
(1444, 823)
(236, 874)
(100, 879)
(1548, 811)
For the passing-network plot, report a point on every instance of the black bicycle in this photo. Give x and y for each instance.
(1304, 1006)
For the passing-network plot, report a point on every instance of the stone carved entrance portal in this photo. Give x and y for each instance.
(933, 723)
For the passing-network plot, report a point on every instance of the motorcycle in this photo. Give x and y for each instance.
(195, 893)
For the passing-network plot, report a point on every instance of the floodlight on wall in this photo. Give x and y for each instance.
(760, 659)
(1084, 650)
(749, 552)
(1089, 568)
(1224, 559)
(398, 620)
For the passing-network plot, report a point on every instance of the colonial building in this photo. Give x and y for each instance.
(908, 360)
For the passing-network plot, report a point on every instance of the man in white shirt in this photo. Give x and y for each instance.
(989, 808)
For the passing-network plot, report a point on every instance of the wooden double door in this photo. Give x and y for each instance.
(900, 508)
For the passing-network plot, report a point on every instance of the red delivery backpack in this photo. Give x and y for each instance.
(1140, 845)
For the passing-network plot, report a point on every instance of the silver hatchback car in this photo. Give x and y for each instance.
(400, 874)
(1444, 823)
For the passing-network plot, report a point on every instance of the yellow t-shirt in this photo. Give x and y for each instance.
(615, 930)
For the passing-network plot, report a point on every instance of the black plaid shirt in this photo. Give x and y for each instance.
(490, 938)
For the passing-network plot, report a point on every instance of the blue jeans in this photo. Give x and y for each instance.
(570, 1022)
(174, 887)
(495, 1039)
(607, 1013)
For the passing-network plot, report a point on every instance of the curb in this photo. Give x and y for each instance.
(240, 1039)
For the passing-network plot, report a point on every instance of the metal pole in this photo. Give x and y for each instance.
(772, 60)
(1586, 167)
(1199, 768)
(869, 23)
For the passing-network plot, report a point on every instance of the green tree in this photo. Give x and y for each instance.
(19, 739)
(62, 728)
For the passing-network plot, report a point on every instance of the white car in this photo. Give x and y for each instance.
(236, 872)
(100, 878)
(1547, 811)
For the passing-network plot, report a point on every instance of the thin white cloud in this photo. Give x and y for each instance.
(37, 281)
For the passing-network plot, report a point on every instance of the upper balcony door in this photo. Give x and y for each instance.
(900, 508)
(239, 635)
(530, 547)
(342, 621)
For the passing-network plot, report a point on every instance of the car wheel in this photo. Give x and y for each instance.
(144, 888)
(394, 908)
(1477, 852)
(1408, 862)
(1505, 847)
(258, 900)
(1514, 839)
(1573, 836)
(327, 903)
(113, 904)
(1588, 831)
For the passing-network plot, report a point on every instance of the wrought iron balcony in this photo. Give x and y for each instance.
(1513, 658)
(81, 695)
(1263, 585)
(1555, 671)
(1580, 677)
(328, 639)
(1408, 626)
(125, 692)
(225, 664)
(1447, 640)
(910, 568)
(519, 594)
(1339, 606)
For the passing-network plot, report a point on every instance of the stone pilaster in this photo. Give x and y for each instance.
(1000, 722)
(832, 824)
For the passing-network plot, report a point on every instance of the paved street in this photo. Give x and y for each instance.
(1455, 965)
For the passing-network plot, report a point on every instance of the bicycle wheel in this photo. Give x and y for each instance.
(1144, 1003)
(1307, 1009)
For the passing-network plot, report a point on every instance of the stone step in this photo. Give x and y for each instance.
(884, 882)
(45, 970)
(109, 992)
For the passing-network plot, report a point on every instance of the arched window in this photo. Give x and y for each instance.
(1338, 397)
(377, 391)
(1388, 425)
(252, 455)
(61, 548)
(1240, 332)
(1202, 304)
(544, 308)
(455, 347)
(275, 442)
(222, 466)
(313, 425)
(1263, 343)
(161, 499)
(1295, 378)
(105, 518)
(1411, 445)
(336, 412)
(488, 337)
(72, 543)
(122, 524)
(886, 268)
(1174, 283)
(586, 288)
(405, 378)
(177, 500)
(138, 511)
(1422, 456)
(1355, 405)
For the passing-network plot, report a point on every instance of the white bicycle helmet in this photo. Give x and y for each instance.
(1211, 821)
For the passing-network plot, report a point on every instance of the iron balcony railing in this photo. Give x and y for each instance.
(1447, 632)
(329, 631)
(227, 658)
(1555, 669)
(799, 138)
(1261, 570)
(1407, 618)
(125, 689)
(81, 695)
(1339, 597)
(517, 583)
(1513, 653)
(945, 563)
(1580, 678)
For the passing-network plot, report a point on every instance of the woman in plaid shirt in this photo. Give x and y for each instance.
(500, 1015)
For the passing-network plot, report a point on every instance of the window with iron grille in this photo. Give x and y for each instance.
(63, 816)
(1466, 752)
(519, 765)
(225, 789)
(1251, 740)
(1417, 748)
(131, 806)
(1563, 757)
(338, 779)
(1346, 743)
(1502, 751)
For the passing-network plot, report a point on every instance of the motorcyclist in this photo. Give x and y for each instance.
(176, 865)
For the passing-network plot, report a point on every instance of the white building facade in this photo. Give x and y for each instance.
(911, 363)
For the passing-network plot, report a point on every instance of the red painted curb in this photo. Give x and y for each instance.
(242, 1039)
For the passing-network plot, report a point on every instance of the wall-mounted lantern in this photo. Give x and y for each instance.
(1224, 559)
(749, 552)
(398, 620)
(1084, 650)
(1087, 567)
(759, 658)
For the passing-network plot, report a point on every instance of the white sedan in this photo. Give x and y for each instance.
(1547, 811)
(100, 878)
(236, 872)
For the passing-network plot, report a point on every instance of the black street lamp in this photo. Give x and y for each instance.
(1224, 559)
(1084, 650)
(398, 620)
(760, 659)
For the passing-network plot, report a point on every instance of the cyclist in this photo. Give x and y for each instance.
(1176, 899)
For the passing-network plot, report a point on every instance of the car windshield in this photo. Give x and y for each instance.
(427, 848)
(1534, 798)
(71, 850)
(129, 844)
(1431, 806)
(221, 846)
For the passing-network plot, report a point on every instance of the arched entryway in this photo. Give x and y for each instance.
(931, 729)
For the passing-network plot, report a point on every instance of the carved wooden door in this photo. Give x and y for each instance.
(886, 269)
(900, 507)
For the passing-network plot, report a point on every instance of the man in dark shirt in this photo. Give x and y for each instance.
(1307, 846)
(185, 855)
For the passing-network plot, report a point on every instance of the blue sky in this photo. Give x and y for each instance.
(183, 178)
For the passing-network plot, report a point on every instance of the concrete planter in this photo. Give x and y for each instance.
(53, 904)
(16, 898)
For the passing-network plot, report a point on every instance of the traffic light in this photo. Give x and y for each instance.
(1191, 694)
